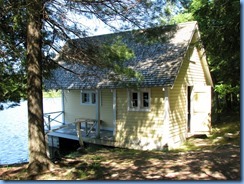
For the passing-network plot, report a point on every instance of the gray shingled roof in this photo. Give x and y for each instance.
(159, 63)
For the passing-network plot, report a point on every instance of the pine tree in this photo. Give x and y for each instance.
(47, 24)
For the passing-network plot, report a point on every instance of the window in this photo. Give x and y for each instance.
(139, 100)
(93, 98)
(134, 99)
(145, 99)
(85, 98)
(88, 97)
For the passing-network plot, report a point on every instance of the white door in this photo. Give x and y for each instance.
(201, 110)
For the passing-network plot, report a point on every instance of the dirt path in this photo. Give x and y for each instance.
(215, 163)
(223, 163)
(209, 163)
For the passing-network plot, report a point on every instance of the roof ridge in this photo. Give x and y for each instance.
(128, 31)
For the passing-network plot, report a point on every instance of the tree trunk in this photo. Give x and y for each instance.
(38, 159)
(228, 102)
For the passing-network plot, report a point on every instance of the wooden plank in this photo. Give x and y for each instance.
(91, 126)
(89, 123)
(67, 136)
(100, 142)
(53, 112)
(79, 134)
(82, 120)
(85, 139)
(105, 139)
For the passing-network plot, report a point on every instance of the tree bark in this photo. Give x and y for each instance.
(38, 159)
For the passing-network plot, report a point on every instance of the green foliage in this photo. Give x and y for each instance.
(224, 89)
(51, 94)
(12, 88)
(219, 23)
(114, 55)
(173, 12)
(184, 17)
(154, 35)
(229, 124)
(12, 51)
(62, 22)
(118, 51)
(73, 154)
(220, 26)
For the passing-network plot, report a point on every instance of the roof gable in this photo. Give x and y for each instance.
(159, 62)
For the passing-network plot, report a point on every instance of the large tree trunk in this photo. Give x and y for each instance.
(38, 159)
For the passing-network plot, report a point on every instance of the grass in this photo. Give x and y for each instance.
(73, 154)
(230, 124)
(99, 162)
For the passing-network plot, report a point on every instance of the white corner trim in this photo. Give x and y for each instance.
(114, 111)
(98, 93)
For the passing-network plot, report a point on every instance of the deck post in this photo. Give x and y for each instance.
(49, 122)
(98, 94)
(79, 134)
(62, 98)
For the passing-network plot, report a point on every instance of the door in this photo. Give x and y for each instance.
(201, 110)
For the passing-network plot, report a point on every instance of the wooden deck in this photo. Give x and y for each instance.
(70, 132)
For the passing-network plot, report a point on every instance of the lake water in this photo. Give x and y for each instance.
(14, 130)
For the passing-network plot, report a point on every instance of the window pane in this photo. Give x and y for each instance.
(145, 99)
(85, 98)
(134, 99)
(93, 98)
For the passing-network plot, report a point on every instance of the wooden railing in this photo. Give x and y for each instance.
(48, 119)
(90, 124)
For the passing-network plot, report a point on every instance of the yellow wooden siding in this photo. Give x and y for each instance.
(191, 73)
(73, 108)
(143, 130)
(195, 71)
(177, 125)
(106, 109)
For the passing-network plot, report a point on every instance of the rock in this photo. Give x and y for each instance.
(231, 135)
(115, 175)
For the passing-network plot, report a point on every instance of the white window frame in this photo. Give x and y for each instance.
(139, 100)
(91, 97)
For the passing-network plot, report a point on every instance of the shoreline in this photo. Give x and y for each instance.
(13, 165)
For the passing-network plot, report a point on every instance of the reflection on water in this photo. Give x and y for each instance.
(14, 130)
